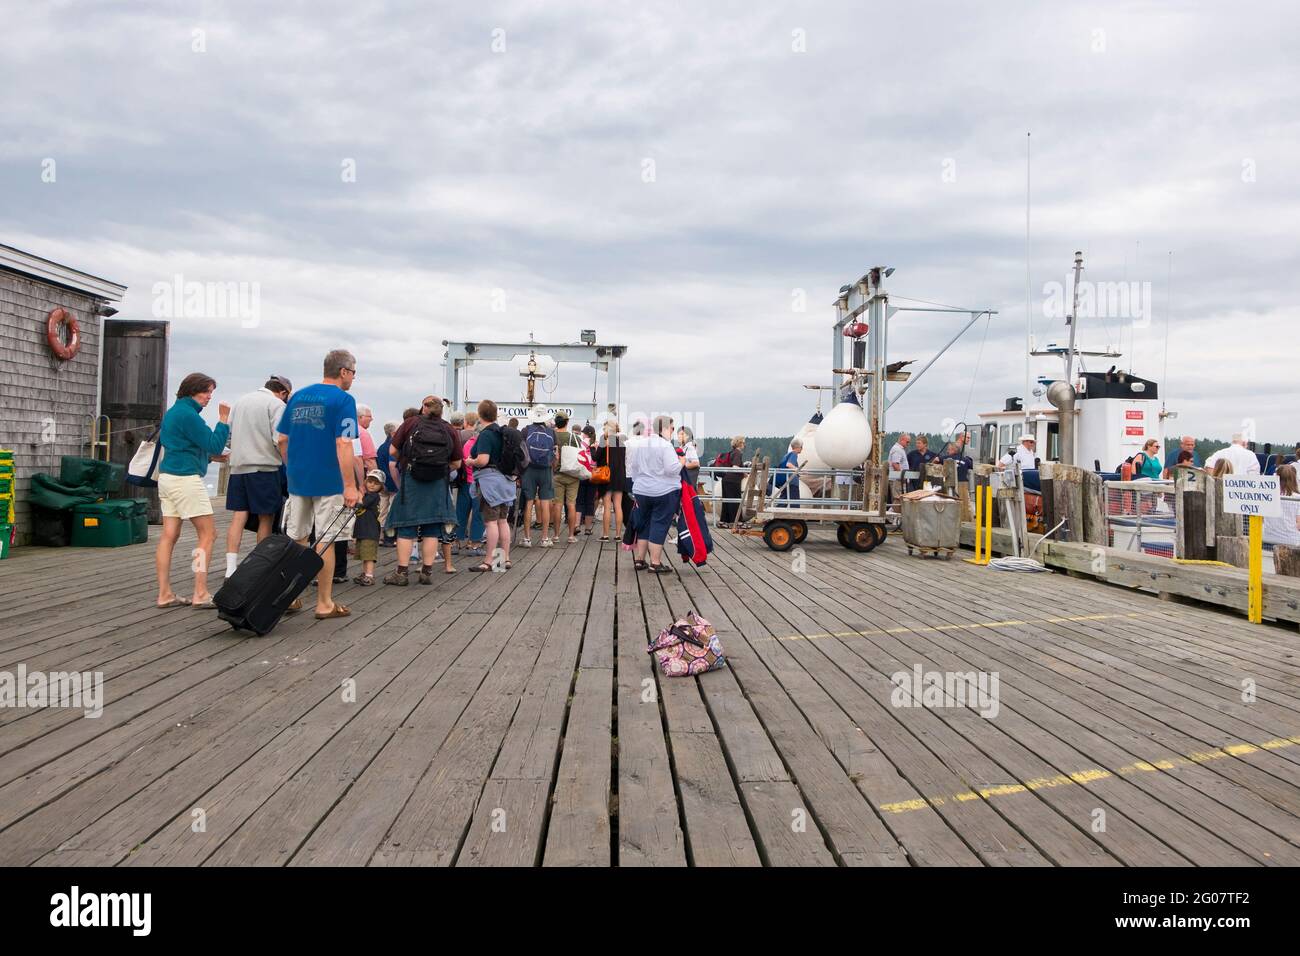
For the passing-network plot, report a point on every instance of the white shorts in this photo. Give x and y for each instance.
(302, 514)
(183, 496)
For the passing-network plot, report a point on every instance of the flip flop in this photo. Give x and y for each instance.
(209, 604)
(174, 602)
(340, 610)
(481, 567)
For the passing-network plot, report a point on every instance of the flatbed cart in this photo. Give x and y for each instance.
(783, 527)
(858, 530)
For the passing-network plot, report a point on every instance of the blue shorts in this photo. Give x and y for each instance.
(656, 515)
(539, 483)
(446, 533)
(258, 493)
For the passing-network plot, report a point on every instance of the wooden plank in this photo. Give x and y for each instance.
(649, 819)
(579, 829)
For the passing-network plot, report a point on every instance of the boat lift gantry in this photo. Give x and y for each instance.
(859, 528)
(867, 296)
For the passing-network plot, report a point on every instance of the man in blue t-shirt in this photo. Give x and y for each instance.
(317, 429)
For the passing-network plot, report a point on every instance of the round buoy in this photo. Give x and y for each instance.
(844, 437)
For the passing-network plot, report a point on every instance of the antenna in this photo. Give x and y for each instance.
(1029, 315)
(1164, 378)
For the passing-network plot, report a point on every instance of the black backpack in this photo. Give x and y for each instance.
(514, 456)
(428, 450)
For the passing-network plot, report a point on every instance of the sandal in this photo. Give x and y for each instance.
(450, 570)
(640, 565)
(174, 602)
(604, 537)
(294, 607)
(482, 567)
(340, 610)
(205, 605)
(659, 569)
(508, 565)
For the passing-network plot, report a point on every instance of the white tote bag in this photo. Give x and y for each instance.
(143, 470)
(570, 464)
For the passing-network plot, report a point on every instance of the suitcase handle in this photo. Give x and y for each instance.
(334, 529)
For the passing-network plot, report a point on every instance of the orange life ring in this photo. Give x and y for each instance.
(57, 320)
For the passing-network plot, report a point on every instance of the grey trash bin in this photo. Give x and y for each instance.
(932, 523)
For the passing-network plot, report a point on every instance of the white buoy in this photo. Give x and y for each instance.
(844, 436)
(811, 485)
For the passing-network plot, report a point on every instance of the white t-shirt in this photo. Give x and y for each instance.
(1022, 455)
(897, 457)
(1242, 458)
(653, 466)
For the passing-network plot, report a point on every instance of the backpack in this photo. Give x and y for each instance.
(541, 447)
(428, 450)
(514, 457)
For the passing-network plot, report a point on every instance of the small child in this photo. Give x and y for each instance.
(366, 529)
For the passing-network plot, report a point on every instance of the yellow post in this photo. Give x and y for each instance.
(983, 535)
(1255, 601)
(988, 523)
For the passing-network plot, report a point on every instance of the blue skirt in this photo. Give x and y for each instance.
(421, 503)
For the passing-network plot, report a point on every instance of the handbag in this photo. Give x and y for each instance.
(600, 475)
(571, 463)
(143, 469)
(690, 646)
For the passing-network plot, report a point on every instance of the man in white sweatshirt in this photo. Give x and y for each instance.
(1242, 458)
(255, 485)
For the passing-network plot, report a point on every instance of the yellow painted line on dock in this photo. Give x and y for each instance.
(1092, 775)
(971, 626)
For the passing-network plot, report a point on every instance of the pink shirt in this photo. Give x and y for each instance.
(367, 445)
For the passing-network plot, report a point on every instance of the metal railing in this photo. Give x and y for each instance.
(1141, 516)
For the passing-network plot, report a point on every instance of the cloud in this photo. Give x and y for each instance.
(522, 176)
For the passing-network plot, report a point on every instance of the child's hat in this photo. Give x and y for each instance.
(376, 474)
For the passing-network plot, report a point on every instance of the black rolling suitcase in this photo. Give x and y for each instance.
(266, 582)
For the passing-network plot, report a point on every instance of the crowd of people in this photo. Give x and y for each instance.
(443, 483)
(446, 483)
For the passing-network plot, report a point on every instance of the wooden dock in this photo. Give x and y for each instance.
(516, 719)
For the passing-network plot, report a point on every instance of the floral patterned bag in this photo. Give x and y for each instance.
(690, 646)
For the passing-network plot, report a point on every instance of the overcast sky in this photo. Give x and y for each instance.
(678, 177)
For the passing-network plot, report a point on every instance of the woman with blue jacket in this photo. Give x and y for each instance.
(188, 444)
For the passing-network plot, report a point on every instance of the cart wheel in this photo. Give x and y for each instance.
(842, 535)
(909, 549)
(800, 531)
(778, 535)
(881, 532)
(861, 537)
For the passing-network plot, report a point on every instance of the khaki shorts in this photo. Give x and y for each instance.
(183, 496)
(566, 489)
(303, 514)
(368, 550)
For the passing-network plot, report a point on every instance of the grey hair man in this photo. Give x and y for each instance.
(898, 465)
(316, 436)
